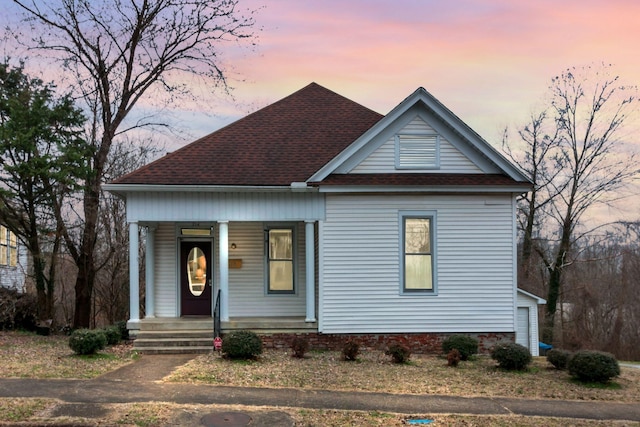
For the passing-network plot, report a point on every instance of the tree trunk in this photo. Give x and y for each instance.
(84, 290)
(44, 295)
(86, 262)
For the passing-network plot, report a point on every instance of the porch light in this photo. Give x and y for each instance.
(233, 246)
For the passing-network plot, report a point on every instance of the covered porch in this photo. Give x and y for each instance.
(238, 272)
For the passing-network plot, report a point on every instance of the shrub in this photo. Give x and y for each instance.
(350, 351)
(87, 341)
(511, 356)
(453, 357)
(241, 345)
(26, 315)
(299, 346)
(466, 345)
(124, 332)
(399, 353)
(8, 299)
(558, 358)
(113, 335)
(17, 311)
(593, 366)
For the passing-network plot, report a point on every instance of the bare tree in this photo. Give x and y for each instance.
(116, 53)
(586, 165)
(111, 300)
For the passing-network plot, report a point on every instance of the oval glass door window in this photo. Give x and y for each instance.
(197, 271)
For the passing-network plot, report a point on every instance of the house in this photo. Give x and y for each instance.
(13, 261)
(317, 215)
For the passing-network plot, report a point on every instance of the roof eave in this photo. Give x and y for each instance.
(194, 188)
(516, 188)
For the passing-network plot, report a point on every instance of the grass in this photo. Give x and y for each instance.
(425, 375)
(36, 412)
(31, 356)
(26, 355)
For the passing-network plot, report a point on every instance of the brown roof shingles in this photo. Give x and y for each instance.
(282, 143)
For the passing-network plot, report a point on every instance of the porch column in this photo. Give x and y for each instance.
(149, 278)
(134, 279)
(223, 238)
(310, 262)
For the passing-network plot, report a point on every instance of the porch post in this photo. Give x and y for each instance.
(134, 279)
(310, 262)
(149, 280)
(223, 237)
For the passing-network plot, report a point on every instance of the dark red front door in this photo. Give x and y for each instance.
(196, 278)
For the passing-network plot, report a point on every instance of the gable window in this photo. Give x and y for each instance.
(417, 151)
(280, 255)
(418, 258)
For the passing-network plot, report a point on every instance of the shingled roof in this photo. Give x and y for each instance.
(282, 143)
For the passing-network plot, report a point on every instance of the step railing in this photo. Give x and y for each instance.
(216, 316)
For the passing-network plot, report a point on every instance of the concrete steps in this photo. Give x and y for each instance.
(195, 335)
(174, 336)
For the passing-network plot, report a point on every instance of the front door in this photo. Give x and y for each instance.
(196, 278)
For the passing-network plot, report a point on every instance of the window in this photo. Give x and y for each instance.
(4, 246)
(196, 232)
(418, 253)
(280, 268)
(13, 250)
(8, 247)
(417, 151)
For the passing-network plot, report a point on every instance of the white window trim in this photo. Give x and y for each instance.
(294, 259)
(436, 164)
(432, 215)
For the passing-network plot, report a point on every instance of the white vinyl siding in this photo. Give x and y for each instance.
(211, 207)
(247, 293)
(360, 271)
(166, 287)
(382, 160)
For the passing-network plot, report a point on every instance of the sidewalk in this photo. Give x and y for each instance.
(139, 382)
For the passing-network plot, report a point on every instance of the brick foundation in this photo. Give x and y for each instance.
(420, 343)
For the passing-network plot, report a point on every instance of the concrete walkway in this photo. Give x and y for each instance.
(139, 382)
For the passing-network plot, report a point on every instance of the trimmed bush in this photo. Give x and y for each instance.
(511, 356)
(113, 335)
(593, 366)
(350, 351)
(241, 345)
(399, 353)
(299, 347)
(466, 345)
(559, 358)
(87, 341)
(453, 358)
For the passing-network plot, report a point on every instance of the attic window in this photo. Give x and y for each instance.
(417, 151)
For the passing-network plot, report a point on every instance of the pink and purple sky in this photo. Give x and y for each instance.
(489, 61)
